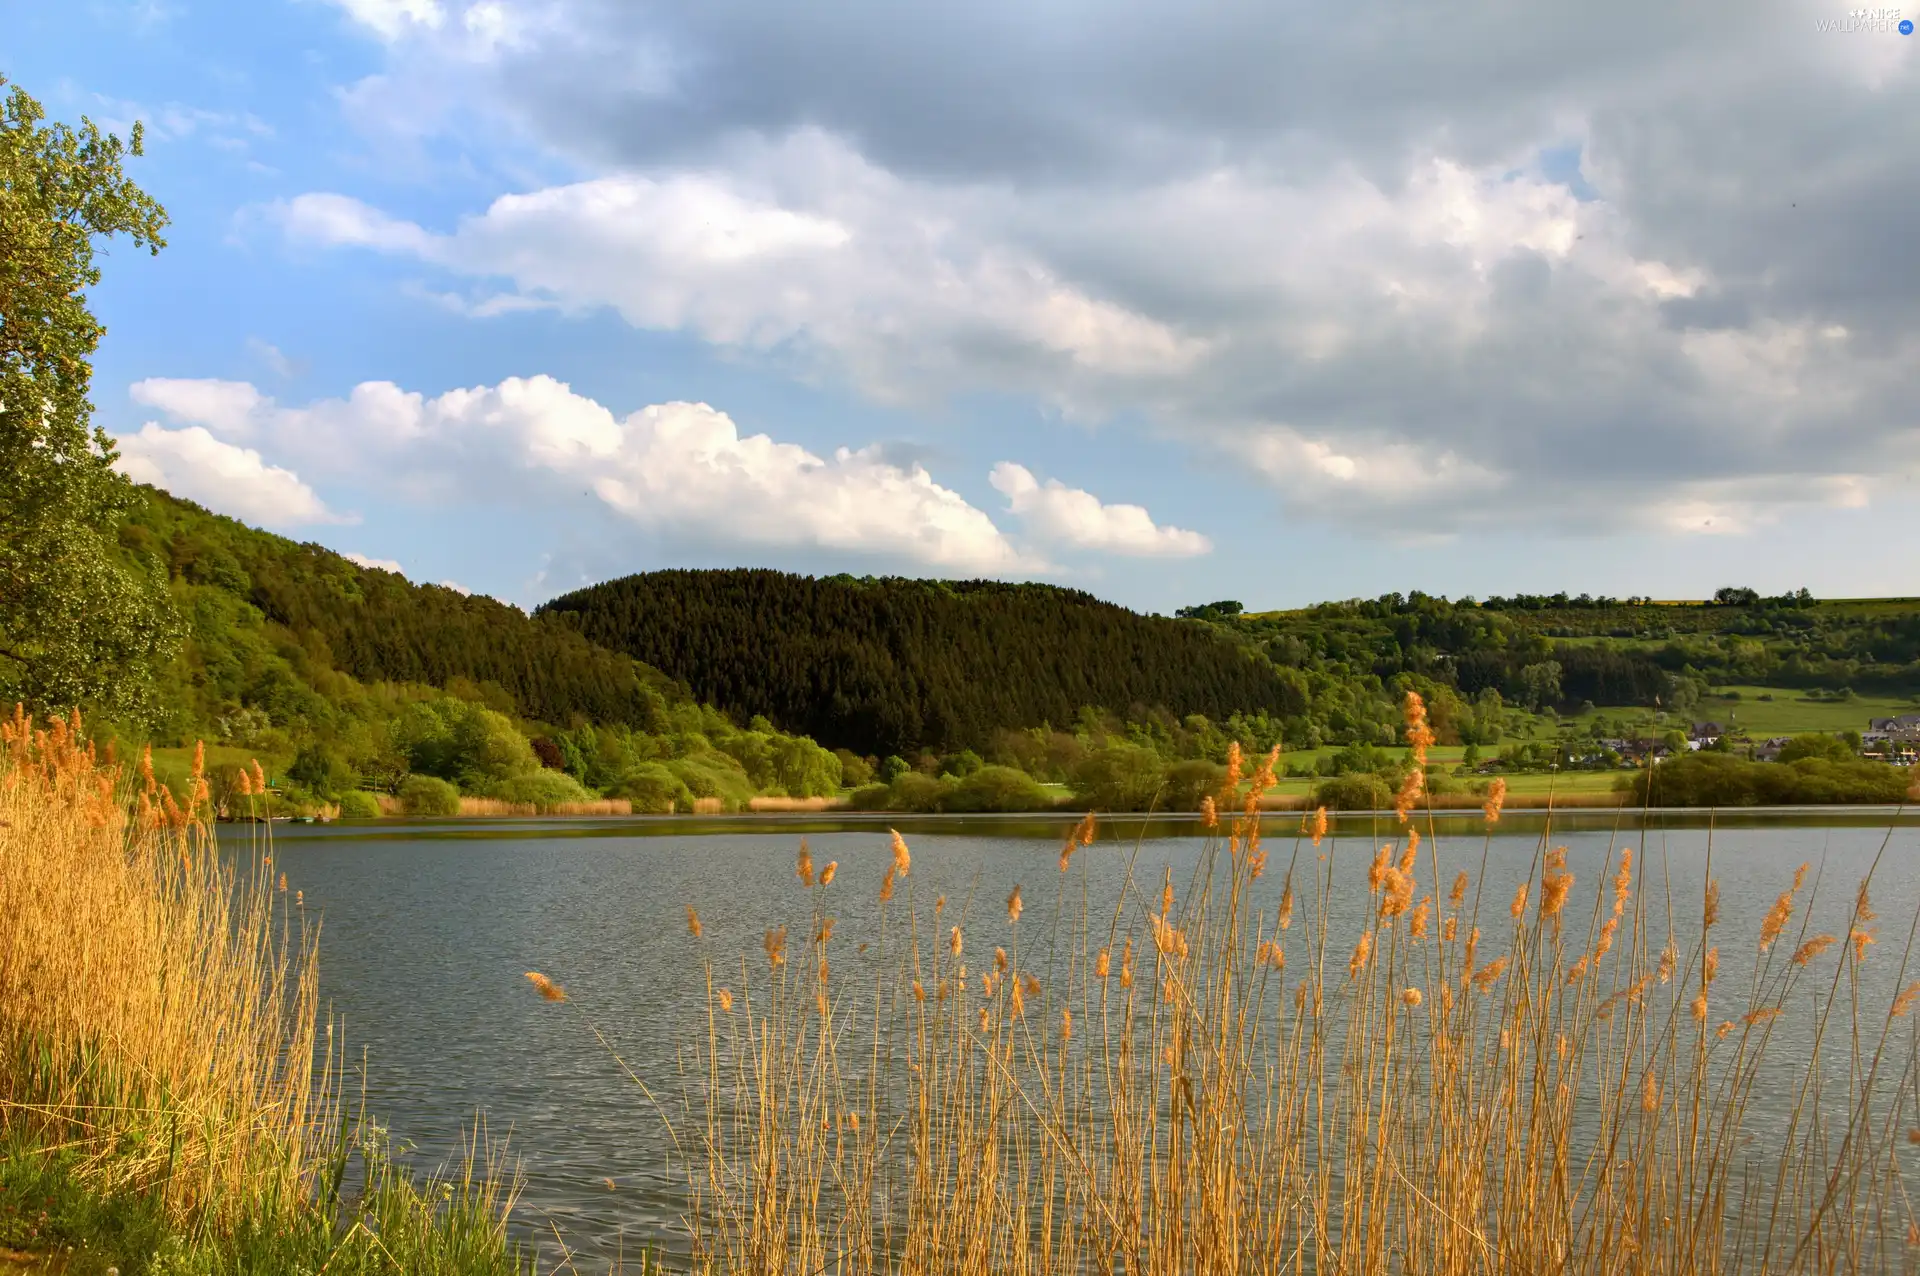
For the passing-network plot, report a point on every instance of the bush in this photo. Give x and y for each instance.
(870, 797)
(1722, 779)
(1353, 793)
(322, 769)
(653, 790)
(1189, 781)
(1120, 777)
(854, 771)
(429, 795)
(355, 805)
(996, 788)
(1830, 747)
(915, 792)
(961, 764)
(543, 789)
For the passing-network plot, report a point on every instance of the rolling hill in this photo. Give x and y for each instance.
(896, 666)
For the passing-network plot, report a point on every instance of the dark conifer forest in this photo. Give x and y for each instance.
(897, 666)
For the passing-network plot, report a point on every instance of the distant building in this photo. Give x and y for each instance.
(1904, 727)
(1635, 752)
(1703, 735)
(1769, 750)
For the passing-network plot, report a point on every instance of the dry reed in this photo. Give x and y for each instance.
(161, 1042)
(158, 1006)
(1269, 1093)
(496, 807)
(774, 804)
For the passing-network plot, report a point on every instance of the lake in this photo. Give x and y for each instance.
(429, 929)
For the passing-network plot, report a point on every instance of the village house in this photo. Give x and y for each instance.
(1888, 746)
(1635, 752)
(1904, 727)
(1704, 735)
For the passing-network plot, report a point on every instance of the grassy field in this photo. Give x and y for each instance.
(172, 765)
(1791, 712)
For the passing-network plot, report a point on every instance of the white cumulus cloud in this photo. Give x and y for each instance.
(682, 469)
(1058, 514)
(225, 407)
(391, 19)
(808, 247)
(222, 476)
(384, 564)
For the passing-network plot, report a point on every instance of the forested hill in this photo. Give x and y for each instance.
(1606, 650)
(371, 624)
(895, 666)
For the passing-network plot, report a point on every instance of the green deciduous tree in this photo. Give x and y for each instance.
(78, 625)
(1542, 683)
(1120, 777)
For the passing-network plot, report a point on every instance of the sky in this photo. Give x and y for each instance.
(1171, 302)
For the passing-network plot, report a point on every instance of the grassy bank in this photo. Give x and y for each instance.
(170, 1094)
(1224, 1076)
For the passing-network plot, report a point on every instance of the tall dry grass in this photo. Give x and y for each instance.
(485, 806)
(158, 1006)
(1561, 1081)
(163, 1050)
(793, 804)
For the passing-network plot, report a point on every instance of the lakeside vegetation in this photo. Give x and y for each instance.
(171, 1096)
(323, 670)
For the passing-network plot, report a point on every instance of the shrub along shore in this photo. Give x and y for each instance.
(1703, 780)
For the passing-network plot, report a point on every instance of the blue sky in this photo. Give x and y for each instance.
(1170, 303)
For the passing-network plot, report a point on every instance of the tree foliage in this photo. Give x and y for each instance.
(78, 625)
(1721, 779)
(372, 625)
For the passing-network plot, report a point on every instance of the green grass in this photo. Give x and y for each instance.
(1790, 712)
(388, 1223)
(220, 757)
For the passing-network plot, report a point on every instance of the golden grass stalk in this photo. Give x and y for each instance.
(158, 1002)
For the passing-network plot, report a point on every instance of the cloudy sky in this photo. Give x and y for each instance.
(1167, 301)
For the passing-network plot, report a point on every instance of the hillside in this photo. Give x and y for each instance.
(1610, 652)
(344, 679)
(681, 690)
(245, 593)
(896, 666)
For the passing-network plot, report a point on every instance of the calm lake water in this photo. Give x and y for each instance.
(429, 928)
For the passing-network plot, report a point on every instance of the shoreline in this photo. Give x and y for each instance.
(1050, 824)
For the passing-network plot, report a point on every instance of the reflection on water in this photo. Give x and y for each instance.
(430, 928)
